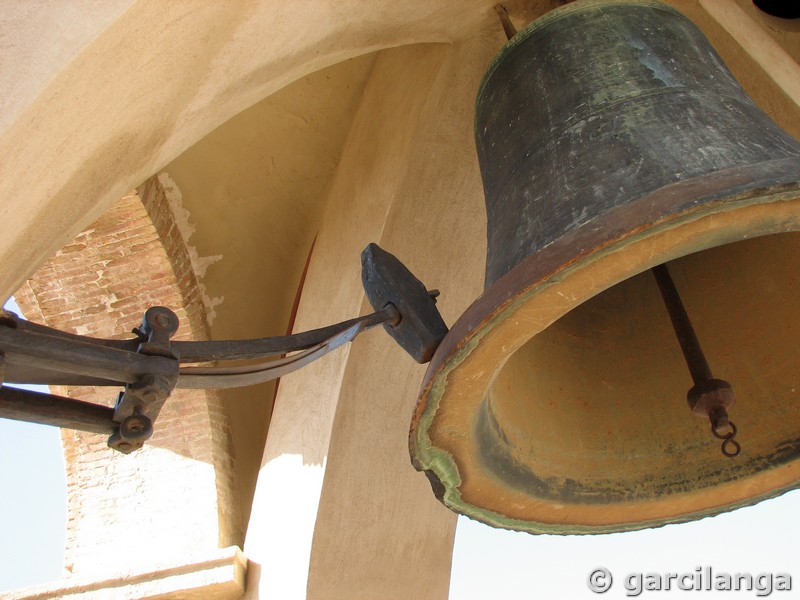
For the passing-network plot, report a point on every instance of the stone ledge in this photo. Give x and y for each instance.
(213, 576)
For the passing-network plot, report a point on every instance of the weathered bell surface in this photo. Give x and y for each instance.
(612, 139)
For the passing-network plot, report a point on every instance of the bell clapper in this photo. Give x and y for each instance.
(709, 397)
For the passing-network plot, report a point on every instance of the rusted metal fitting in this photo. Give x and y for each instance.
(132, 433)
(505, 20)
(137, 407)
(419, 329)
(8, 318)
(149, 365)
(149, 389)
(712, 398)
(158, 326)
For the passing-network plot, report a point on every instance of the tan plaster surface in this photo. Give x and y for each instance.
(215, 575)
(371, 168)
(256, 187)
(372, 499)
(135, 91)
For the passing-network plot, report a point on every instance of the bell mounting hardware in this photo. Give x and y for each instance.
(150, 365)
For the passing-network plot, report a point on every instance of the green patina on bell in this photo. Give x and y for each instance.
(612, 139)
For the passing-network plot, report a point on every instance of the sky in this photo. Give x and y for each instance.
(487, 563)
(495, 564)
(33, 498)
(32, 504)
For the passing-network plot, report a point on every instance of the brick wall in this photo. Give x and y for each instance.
(176, 495)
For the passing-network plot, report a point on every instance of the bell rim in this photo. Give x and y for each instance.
(501, 301)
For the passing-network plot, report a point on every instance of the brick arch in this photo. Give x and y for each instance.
(177, 496)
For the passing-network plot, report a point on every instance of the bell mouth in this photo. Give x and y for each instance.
(557, 402)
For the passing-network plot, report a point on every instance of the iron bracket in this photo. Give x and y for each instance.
(150, 366)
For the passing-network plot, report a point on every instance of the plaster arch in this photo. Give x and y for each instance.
(145, 81)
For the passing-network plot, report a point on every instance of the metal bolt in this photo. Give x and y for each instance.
(136, 428)
(148, 396)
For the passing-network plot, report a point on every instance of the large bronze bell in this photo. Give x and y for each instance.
(612, 139)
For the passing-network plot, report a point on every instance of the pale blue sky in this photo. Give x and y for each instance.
(492, 564)
(33, 502)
